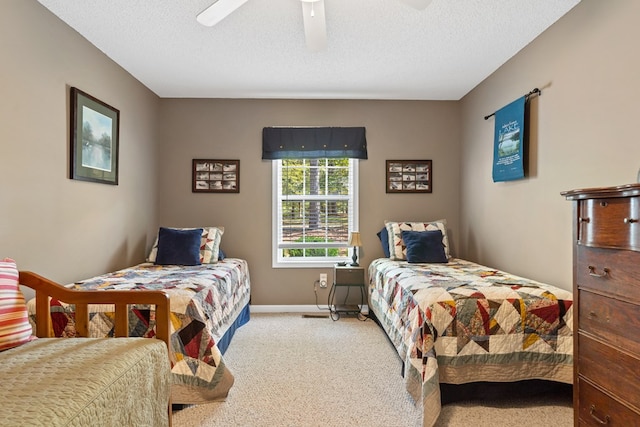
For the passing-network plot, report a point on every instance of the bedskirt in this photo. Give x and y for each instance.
(462, 322)
(74, 382)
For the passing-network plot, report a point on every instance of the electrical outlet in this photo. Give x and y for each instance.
(323, 280)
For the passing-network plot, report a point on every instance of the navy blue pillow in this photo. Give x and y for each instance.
(383, 235)
(221, 255)
(178, 247)
(424, 246)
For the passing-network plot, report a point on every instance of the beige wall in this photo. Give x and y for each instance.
(232, 129)
(62, 228)
(582, 135)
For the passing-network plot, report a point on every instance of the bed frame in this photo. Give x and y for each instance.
(46, 289)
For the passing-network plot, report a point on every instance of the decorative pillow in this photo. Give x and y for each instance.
(398, 249)
(424, 246)
(383, 235)
(209, 245)
(179, 247)
(221, 255)
(15, 328)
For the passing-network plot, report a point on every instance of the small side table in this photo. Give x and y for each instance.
(347, 276)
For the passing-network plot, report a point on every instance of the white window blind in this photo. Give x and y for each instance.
(315, 209)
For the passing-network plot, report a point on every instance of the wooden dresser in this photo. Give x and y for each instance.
(606, 287)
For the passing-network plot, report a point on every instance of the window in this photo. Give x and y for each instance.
(315, 206)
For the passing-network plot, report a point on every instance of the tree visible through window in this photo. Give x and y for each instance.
(316, 209)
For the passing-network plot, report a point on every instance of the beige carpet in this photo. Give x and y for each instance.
(296, 371)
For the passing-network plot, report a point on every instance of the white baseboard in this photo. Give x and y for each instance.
(292, 309)
(286, 309)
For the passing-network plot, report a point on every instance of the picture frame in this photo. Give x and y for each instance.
(409, 176)
(215, 176)
(94, 141)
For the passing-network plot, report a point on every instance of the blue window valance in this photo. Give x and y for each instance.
(313, 142)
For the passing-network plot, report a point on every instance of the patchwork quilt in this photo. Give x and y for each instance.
(462, 322)
(205, 301)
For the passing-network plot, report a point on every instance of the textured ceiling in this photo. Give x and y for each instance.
(377, 49)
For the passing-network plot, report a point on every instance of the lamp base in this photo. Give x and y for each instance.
(355, 258)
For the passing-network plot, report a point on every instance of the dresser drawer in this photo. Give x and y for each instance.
(611, 271)
(610, 320)
(610, 369)
(598, 409)
(609, 223)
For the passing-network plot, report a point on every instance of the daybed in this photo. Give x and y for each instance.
(84, 381)
(455, 322)
(209, 301)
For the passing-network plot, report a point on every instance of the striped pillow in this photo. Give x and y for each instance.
(14, 321)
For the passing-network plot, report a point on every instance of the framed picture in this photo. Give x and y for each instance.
(409, 176)
(94, 133)
(215, 176)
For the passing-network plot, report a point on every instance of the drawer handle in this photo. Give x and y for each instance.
(630, 220)
(595, 417)
(594, 316)
(584, 219)
(592, 272)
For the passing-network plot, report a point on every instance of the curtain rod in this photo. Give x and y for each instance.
(532, 92)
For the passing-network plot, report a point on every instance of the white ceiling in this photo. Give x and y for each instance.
(377, 49)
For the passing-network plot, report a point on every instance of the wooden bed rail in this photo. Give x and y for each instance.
(45, 288)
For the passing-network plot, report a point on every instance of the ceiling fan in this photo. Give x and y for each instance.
(315, 29)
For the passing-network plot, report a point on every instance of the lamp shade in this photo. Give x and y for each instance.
(354, 239)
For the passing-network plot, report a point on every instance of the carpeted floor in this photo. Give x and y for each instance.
(296, 371)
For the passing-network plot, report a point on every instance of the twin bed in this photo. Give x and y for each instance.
(456, 322)
(208, 302)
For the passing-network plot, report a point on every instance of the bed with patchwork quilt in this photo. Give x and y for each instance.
(208, 303)
(453, 321)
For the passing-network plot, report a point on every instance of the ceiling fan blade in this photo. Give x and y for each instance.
(219, 10)
(315, 24)
(418, 4)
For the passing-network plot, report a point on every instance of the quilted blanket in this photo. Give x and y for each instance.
(205, 302)
(85, 382)
(462, 322)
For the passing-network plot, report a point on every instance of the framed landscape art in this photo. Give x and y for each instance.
(409, 176)
(94, 133)
(215, 176)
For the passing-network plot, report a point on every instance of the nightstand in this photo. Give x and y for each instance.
(346, 277)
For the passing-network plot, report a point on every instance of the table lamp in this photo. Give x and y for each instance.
(354, 240)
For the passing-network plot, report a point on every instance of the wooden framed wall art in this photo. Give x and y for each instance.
(409, 176)
(94, 139)
(215, 176)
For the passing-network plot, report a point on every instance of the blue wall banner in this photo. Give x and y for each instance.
(508, 145)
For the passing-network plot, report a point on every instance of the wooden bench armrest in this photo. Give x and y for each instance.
(45, 288)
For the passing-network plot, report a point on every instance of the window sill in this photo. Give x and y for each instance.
(309, 264)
